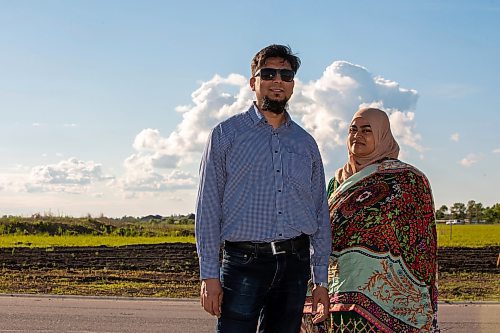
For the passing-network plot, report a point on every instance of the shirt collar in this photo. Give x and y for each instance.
(258, 117)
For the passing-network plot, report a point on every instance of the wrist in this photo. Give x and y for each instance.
(321, 284)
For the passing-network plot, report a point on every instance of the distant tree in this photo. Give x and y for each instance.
(441, 212)
(496, 212)
(479, 211)
(457, 211)
(471, 205)
(185, 221)
(170, 220)
(492, 215)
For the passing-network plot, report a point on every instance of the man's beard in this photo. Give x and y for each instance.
(274, 106)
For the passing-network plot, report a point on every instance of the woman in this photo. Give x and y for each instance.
(383, 265)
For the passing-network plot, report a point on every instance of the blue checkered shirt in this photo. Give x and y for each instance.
(261, 184)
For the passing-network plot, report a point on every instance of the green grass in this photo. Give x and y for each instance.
(474, 235)
(469, 286)
(128, 227)
(85, 240)
(103, 282)
(448, 236)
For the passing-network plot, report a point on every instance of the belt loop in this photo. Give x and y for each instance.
(294, 241)
(294, 250)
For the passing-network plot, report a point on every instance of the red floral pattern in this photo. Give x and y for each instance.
(389, 211)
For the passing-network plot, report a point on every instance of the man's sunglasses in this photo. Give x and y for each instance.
(268, 74)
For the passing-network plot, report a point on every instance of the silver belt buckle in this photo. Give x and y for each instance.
(273, 248)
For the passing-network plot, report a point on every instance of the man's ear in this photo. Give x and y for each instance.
(252, 83)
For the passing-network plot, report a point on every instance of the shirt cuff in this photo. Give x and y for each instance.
(320, 274)
(209, 268)
(319, 268)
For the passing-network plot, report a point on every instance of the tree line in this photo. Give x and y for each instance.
(473, 212)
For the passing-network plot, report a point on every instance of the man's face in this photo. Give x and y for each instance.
(275, 89)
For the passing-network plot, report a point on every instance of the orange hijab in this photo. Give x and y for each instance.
(385, 144)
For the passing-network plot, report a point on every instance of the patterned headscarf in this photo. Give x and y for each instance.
(385, 144)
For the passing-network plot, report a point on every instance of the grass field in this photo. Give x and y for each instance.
(448, 236)
(86, 240)
(468, 235)
(471, 287)
(91, 282)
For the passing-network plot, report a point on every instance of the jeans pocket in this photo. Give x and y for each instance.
(237, 257)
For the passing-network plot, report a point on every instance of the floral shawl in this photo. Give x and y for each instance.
(383, 264)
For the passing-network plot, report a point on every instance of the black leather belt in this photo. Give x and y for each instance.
(277, 247)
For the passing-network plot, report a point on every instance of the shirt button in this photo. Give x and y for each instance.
(277, 171)
(279, 212)
(279, 191)
(275, 151)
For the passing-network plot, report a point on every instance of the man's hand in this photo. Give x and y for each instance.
(211, 296)
(320, 296)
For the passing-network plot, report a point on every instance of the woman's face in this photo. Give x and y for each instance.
(361, 139)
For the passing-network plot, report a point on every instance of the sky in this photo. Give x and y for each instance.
(105, 106)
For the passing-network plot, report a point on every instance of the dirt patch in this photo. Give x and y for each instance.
(174, 257)
(171, 270)
(181, 258)
(465, 259)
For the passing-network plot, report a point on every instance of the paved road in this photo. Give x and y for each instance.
(51, 314)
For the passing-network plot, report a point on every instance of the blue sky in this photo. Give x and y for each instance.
(105, 105)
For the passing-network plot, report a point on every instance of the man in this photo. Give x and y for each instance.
(262, 196)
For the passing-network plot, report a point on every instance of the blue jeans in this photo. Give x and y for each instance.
(263, 289)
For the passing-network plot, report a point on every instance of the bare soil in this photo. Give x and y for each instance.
(169, 258)
(466, 259)
(171, 270)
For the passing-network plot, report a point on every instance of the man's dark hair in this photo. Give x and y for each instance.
(275, 51)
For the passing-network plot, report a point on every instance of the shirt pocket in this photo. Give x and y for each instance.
(299, 169)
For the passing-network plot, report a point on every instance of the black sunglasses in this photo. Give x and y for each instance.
(268, 74)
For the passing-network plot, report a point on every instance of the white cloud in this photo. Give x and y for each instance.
(8, 182)
(155, 182)
(455, 137)
(71, 175)
(215, 100)
(496, 151)
(141, 176)
(324, 107)
(212, 102)
(403, 129)
(469, 160)
(163, 166)
(327, 105)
